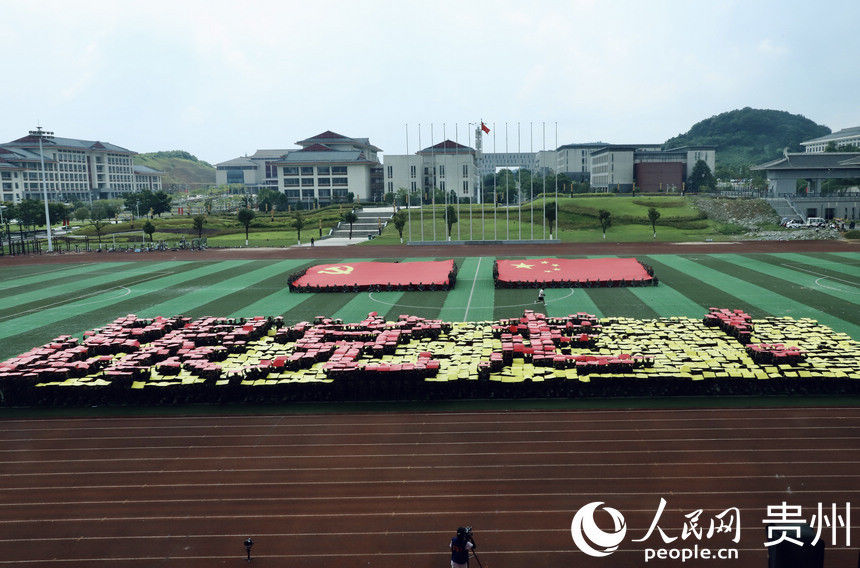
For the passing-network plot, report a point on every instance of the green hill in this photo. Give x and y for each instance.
(181, 168)
(749, 136)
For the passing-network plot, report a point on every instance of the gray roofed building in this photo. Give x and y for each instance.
(845, 137)
(75, 169)
(784, 173)
(326, 168)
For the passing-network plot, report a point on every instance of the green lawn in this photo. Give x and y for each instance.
(39, 302)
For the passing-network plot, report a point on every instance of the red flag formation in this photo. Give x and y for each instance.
(484, 127)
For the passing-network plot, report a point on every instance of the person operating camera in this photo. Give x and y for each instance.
(460, 547)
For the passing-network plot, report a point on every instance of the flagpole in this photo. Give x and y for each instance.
(432, 185)
(507, 193)
(531, 186)
(444, 138)
(556, 186)
(420, 163)
(543, 191)
(519, 201)
(408, 191)
(482, 200)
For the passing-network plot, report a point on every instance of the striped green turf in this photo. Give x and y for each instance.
(471, 299)
(39, 303)
(213, 293)
(766, 298)
(20, 283)
(50, 313)
(812, 264)
(845, 293)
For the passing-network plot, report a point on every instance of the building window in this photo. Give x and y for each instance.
(412, 172)
(291, 171)
(325, 193)
(338, 170)
(390, 186)
(307, 182)
(414, 186)
(291, 182)
(324, 181)
(390, 172)
(307, 170)
(339, 181)
(323, 170)
(442, 185)
(465, 186)
(465, 170)
(441, 171)
(293, 193)
(307, 194)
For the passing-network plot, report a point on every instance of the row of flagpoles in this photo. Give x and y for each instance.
(482, 128)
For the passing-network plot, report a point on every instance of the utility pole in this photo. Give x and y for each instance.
(43, 134)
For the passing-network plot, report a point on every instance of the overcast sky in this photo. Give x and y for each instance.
(222, 79)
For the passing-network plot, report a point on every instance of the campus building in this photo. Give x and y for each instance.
(845, 137)
(620, 167)
(326, 168)
(448, 166)
(74, 170)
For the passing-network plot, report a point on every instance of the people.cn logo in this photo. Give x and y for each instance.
(590, 538)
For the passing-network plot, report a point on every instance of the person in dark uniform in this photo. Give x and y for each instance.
(460, 547)
(248, 544)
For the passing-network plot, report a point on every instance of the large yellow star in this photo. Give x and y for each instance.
(523, 265)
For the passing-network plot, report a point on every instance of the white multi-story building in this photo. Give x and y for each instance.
(74, 170)
(448, 166)
(840, 139)
(326, 168)
(618, 167)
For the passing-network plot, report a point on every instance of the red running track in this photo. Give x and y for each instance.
(389, 489)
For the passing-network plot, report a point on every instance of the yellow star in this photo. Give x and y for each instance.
(544, 262)
(523, 265)
(555, 265)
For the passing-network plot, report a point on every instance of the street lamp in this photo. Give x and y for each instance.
(43, 134)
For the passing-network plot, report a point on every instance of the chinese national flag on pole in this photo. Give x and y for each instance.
(485, 128)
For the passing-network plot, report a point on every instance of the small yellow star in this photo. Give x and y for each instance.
(544, 262)
(523, 265)
(555, 265)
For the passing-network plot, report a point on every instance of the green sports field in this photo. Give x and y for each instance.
(40, 302)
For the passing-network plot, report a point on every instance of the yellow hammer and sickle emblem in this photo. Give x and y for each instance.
(337, 269)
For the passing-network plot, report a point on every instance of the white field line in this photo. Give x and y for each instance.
(446, 455)
(421, 433)
(457, 480)
(416, 444)
(822, 275)
(474, 281)
(567, 465)
(582, 416)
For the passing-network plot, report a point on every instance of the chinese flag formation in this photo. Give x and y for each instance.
(578, 272)
(435, 274)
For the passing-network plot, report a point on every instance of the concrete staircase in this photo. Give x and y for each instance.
(784, 208)
(368, 223)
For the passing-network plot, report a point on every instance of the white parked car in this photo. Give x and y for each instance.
(793, 224)
(815, 222)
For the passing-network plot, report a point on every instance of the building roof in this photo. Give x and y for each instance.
(325, 157)
(268, 154)
(329, 137)
(446, 147)
(146, 170)
(844, 133)
(70, 143)
(583, 145)
(687, 148)
(238, 162)
(817, 161)
(17, 154)
(627, 148)
(8, 166)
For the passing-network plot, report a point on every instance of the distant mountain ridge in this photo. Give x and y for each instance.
(748, 136)
(181, 168)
